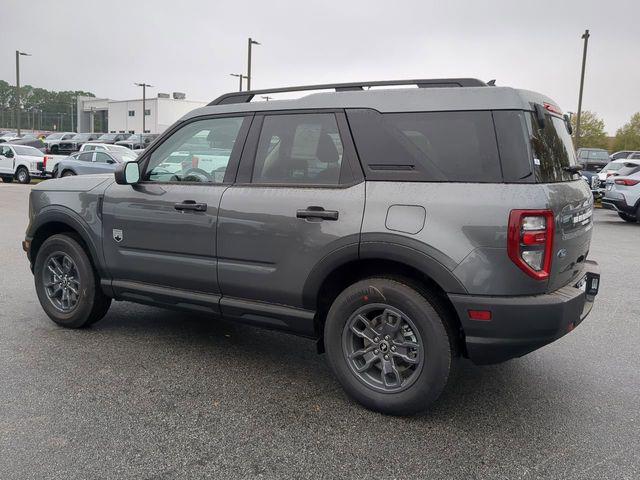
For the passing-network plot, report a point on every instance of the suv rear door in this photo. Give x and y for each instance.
(159, 236)
(568, 195)
(299, 198)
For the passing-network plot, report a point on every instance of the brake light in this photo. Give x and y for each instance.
(44, 161)
(627, 181)
(530, 241)
(552, 108)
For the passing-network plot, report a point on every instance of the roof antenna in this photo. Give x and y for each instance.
(492, 83)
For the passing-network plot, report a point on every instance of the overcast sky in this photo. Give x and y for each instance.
(191, 46)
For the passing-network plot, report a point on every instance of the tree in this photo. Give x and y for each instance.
(628, 136)
(592, 132)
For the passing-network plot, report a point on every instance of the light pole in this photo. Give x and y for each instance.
(250, 42)
(18, 54)
(144, 101)
(240, 76)
(585, 37)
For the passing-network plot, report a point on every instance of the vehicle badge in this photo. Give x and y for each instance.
(117, 235)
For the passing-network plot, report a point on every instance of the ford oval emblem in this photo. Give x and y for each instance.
(562, 253)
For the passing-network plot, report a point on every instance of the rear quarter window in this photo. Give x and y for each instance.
(427, 146)
(552, 149)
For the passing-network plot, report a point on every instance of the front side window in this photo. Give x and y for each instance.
(198, 152)
(102, 157)
(298, 149)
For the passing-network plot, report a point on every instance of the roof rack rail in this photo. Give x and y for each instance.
(247, 96)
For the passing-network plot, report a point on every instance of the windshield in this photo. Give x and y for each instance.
(54, 136)
(82, 136)
(552, 150)
(120, 149)
(108, 136)
(134, 138)
(28, 151)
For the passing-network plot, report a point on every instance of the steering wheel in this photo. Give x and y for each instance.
(197, 173)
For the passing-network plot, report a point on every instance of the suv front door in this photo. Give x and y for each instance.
(298, 200)
(159, 237)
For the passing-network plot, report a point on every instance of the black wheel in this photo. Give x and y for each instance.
(22, 175)
(55, 149)
(388, 346)
(68, 173)
(7, 179)
(66, 284)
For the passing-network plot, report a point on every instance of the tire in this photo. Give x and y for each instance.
(626, 217)
(22, 175)
(55, 149)
(402, 392)
(7, 179)
(91, 304)
(67, 173)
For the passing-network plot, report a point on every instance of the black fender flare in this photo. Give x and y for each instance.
(391, 247)
(66, 216)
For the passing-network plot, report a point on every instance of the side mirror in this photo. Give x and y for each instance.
(127, 173)
(9, 154)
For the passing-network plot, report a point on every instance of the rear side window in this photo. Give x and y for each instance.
(299, 149)
(552, 149)
(427, 146)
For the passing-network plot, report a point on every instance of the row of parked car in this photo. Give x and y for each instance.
(69, 142)
(24, 162)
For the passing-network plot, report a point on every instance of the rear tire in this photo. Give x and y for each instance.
(388, 346)
(22, 175)
(62, 264)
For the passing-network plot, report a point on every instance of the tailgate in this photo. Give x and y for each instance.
(572, 205)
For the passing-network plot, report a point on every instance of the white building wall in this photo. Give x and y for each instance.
(163, 113)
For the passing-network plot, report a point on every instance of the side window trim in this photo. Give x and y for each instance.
(234, 159)
(350, 169)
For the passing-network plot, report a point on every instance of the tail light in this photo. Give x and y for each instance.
(626, 181)
(530, 241)
(194, 162)
(44, 161)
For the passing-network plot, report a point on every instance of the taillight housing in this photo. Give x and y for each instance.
(530, 241)
(44, 162)
(627, 181)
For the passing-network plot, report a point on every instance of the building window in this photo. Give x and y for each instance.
(147, 112)
(132, 131)
(147, 131)
(132, 113)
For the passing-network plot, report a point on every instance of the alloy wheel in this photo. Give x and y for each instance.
(61, 281)
(383, 348)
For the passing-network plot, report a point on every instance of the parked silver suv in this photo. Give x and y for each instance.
(401, 228)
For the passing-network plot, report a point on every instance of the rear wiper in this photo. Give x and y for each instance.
(573, 168)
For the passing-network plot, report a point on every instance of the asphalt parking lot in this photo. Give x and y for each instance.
(148, 393)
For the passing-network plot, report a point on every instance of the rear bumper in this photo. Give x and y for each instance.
(520, 325)
(619, 205)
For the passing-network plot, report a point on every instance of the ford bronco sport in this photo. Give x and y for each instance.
(402, 228)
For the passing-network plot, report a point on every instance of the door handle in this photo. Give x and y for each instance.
(317, 212)
(191, 205)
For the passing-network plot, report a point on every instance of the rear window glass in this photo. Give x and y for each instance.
(552, 150)
(431, 146)
(628, 169)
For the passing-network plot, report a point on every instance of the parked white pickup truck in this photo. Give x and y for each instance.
(21, 162)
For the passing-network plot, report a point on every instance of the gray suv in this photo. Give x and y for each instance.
(401, 228)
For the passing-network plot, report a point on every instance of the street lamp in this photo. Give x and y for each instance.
(250, 42)
(585, 37)
(144, 101)
(18, 54)
(240, 76)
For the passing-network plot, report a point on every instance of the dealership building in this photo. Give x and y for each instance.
(125, 116)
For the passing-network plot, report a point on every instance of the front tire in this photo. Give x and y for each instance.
(68, 173)
(626, 217)
(22, 175)
(66, 283)
(388, 346)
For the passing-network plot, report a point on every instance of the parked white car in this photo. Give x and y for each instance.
(21, 162)
(622, 194)
(614, 166)
(89, 147)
